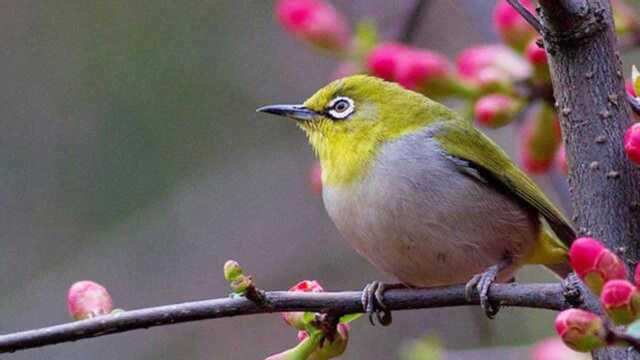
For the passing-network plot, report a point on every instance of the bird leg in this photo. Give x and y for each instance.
(571, 290)
(482, 283)
(373, 301)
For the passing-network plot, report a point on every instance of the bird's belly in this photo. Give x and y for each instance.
(431, 225)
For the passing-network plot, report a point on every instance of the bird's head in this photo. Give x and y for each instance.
(349, 119)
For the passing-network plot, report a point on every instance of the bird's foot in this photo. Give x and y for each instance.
(373, 301)
(482, 283)
(571, 290)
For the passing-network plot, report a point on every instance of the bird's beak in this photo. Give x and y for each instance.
(296, 112)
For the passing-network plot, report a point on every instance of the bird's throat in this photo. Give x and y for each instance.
(344, 160)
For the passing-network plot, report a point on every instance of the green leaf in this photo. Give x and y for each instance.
(308, 317)
(350, 317)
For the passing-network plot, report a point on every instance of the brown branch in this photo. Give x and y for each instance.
(544, 296)
(527, 15)
(588, 84)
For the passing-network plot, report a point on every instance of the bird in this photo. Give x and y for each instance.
(422, 194)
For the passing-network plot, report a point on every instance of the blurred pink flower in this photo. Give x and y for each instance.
(555, 349)
(499, 61)
(513, 28)
(632, 143)
(315, 21)
(495, 110)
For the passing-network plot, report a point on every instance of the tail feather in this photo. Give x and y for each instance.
(550, 252)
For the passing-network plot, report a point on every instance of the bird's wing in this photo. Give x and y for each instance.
(485, 158)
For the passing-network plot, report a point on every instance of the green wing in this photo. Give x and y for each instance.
(466, 143)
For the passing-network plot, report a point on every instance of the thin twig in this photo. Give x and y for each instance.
(545, 296)
(527, 15)
(415, 17)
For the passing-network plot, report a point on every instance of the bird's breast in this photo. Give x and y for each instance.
(416, 216)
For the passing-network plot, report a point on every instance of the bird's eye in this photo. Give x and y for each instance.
(341, 107)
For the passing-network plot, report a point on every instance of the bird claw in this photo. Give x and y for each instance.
(482, 283)
(373, 302)
(571, 290)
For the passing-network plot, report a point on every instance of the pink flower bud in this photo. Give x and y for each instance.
(87, 299)
(581, 330)
(595, 264)
(632, 143)
(335, 348)
(496, 110)
(496, 62)
(418, 69)
(413, 68)
(307, 286)
(296, 318)
(560, 161)
(383, 60)
(302, 335)
(315, 21)
(315, 178)
(555, 349)
(538, 59)
(535, 54)
(636, 275)
(513, 28)
(540, 138)
(628, 85)
(620, 300)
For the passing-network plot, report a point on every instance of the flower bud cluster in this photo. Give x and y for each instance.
(605, 274)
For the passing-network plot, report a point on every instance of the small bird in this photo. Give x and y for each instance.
(422, 194)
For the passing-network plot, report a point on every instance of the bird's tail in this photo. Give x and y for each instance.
(550, 252)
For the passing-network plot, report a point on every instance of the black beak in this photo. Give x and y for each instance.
(296, 112)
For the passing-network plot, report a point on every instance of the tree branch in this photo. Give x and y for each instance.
(544, 296)
(588, 84)
(415, 17)
(526, 14)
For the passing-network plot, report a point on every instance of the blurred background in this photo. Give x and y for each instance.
(131, 155)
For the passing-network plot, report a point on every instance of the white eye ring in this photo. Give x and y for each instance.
(337, 108)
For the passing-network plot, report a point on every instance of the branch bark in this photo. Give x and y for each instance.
(588, 83)
(544, 296)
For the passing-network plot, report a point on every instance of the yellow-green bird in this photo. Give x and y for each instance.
(421, 193)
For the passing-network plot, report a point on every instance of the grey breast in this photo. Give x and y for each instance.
(418, 217)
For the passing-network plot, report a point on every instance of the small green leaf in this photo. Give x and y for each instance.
(308, 317)
(350, 317)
